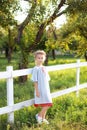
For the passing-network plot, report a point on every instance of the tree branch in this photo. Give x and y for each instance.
(25, 22)
(50, 20)
(42, 26)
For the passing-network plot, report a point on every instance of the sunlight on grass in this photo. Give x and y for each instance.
(62, 79)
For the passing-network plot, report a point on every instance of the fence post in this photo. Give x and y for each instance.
(10, 94)
(77, 77)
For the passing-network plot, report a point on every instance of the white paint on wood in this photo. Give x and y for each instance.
(10, 93)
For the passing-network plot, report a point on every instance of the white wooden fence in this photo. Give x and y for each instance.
(9, 74)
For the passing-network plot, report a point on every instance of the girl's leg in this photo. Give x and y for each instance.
(42, 113)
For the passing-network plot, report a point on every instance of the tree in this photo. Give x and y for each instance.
(7, 9)
(51, 43)
(42, 25)
(73, 35)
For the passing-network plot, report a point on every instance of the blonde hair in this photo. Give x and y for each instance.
(40, 52)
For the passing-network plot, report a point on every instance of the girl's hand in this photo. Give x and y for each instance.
(37, 93)
(36, 88)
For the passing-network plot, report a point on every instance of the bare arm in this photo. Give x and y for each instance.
(36, 89)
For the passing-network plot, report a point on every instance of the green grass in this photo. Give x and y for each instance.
(68, 112)
(64, 59)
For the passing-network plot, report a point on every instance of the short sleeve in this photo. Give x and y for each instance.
(34, 77)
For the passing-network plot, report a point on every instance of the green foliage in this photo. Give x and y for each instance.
(3, 37)
(75, 6)
(72, 36)
(51, 43)
(23, 88)
(29, 35)
(43, 10)
(7, 8)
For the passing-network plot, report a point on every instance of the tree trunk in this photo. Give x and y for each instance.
(22, 79)
(46, 61)
(9, 46)
(53, 54)
(6, 52)
(9, 54)
(85, 55)
(23, 64)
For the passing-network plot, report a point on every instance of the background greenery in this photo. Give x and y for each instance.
(37, 31)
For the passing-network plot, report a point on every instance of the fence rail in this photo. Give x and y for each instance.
(9, 74)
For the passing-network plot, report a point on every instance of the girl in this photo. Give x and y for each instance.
(41, 79)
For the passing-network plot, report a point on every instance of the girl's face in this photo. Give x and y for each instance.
(40, 58)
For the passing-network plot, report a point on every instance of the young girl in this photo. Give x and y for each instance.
(41, 79)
